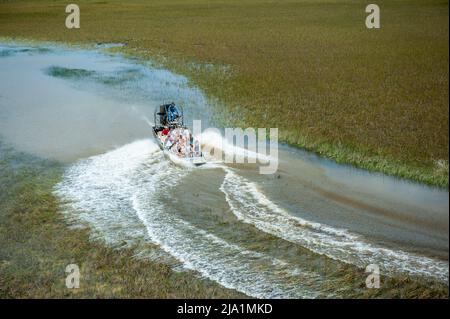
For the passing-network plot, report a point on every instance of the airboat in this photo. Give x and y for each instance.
(174, 138)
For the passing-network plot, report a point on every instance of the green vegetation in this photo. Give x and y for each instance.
(69, 73)
(377, 99)
(37, 245)
(116, 78)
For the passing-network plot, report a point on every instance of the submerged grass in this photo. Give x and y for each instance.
(107, 78)
(61, 72)
(37, 245)
(377, 99)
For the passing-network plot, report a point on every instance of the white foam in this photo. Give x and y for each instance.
(251, 206)
(97, 193)
(177, 160)
(214, 140)
(109, 191)
(250, 272)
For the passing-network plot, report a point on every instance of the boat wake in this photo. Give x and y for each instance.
(118, 192)
(121, 195)
(252, 207)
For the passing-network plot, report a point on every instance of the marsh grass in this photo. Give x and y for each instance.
(61, 72)
(106, 78)
(377, 99)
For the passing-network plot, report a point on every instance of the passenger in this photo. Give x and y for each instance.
(165, 131)
(173, 136)
(163, 134)
(182, 147)
(178, 143)
(170, 141)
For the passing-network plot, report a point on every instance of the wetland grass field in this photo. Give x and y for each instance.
(376, 99)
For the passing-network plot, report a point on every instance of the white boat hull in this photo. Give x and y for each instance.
(178, 160)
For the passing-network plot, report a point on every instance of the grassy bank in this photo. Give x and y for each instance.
(37, 245)
(377, 99)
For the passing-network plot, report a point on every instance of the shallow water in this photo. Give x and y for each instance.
(280, 235)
